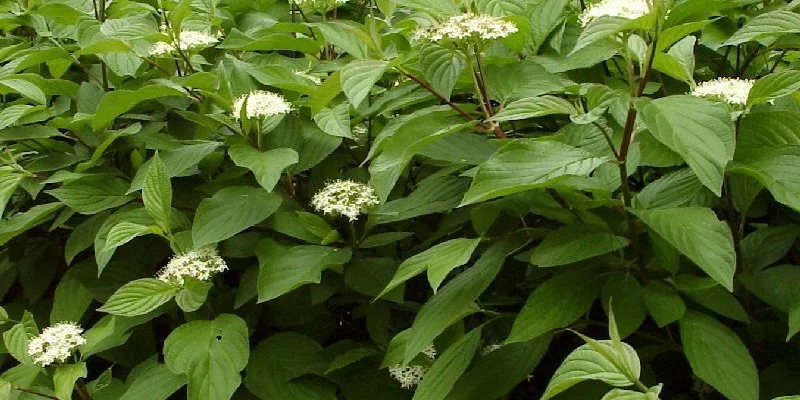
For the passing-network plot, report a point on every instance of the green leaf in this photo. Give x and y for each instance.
(25, 88)
(441, 67)
(71, 299)
(139, 297)
(23, 221)
(497, 373)
(699, 130)
(64, 379)
(768, 150)
(383, 239)
(335, 121)
(794, 321)
(527, 164)
(720, 301)
(115, 103)
(777, 286)
(599, 29)
(765, 246)
(276, 363)
(83, 236)
(573, 243)
(16, 343)
(305, 226)
(680, 188)
(92, 194)
(124, 232)
(708, 344)
(266, 166)
(359, 76)
(154, 382)
(8, 185)
(300, 265)
(193, 294)
(444, 373)
(588, 363)
(774, 86)
(555, 304)
(433, 195)
(230, 211)
(699, 235)
(769, 24)
(438, 260)
(533, 107)
(628, 306)
(663, 303)
(211, 353)
(456, 299)
(179, 162)
(157, 193)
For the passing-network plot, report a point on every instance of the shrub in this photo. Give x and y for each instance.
(396, 199)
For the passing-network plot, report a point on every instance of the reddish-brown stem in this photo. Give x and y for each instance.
(434, 92)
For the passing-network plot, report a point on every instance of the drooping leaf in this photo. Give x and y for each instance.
(699, 235)
(573, 243)
(115, 103)
(157, 193)
(230, 211)
(266, 166)
(139, 297)
(768, 24)
(93, 193)
(300, 265)
(708, 344)
(358, 77)
(444, 373)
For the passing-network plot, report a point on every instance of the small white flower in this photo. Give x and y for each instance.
(630, 9)
(411, 375)
(261, 103)
(56, 343)
(313, 78)
(200, 264)
(160, 49)
(320, 5)
(733, 91)
(345, 197)
(194, 40)
(469, 27)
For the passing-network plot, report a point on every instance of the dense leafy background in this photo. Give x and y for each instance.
(503, 218)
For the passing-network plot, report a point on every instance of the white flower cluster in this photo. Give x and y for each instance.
(467, 27)
(187, 40)
(630, 9)
(411, 375)
(56, 343)
(345, 197)
(733, 91)
(261, 103)
(320, 5)
(313, 78)
(200, 264)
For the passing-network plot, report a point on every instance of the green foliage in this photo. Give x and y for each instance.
(525, 180)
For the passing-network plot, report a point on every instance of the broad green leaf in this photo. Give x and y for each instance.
(157, 193)
(456, 299)
(766, 246)
(768, 150)
(555, 304)
(533, 107)
(154, 382)
(266, 166)
(8, 184)
(774, 86)
(230, 211)
(335, 121)
(449, 366)
(680, 188)
(64, 379)
(23, 221)
(211, 353)
(573, 243)
(699, 130)
(719, 301)
(777, 286)
(708, 344)
(498, 372)
(193, 294)
(441, 67)
(179, 162)
(359, 76)
(622, 394)
(663, 303)
(769, 24)
(83, 236)
(305, 226)
(627, 295)
(439, 260)
(699, 235)
(545, 17)
(528, 164)
(25, 88)
(599, 29)
(124, 232)
(794, 321)
(139, 297)
(71, 299)
(587, 363)
(433, 195)
(115, 103)
(281, 358)
(300, 265)
(93, 193)
(16, 340)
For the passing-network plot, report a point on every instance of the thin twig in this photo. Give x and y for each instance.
(433, 91)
